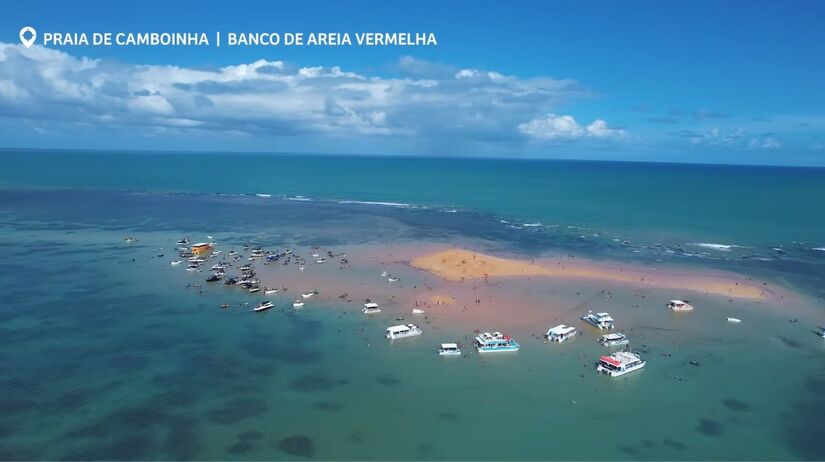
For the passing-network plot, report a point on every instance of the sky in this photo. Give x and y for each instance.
(683, 81)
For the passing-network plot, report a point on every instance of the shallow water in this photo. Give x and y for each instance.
(105, 353)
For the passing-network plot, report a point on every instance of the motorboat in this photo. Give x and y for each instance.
(680, 305)
(614, 339)
(176, 262)
(417, 311)
(449, 349)
(403, 331)
(734, 320)
(495, 343)
(560, 333)
(598, 320)
(297, 304)
(265, 305)
(271, 291)
(371, 308)
(620, 363)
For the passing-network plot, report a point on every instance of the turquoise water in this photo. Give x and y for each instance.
(108, 352)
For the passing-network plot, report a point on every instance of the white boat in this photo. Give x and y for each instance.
(196, 260)
(176, 262)
(307, 295)
(316, 255)
(734, 320)
(321, 260)
(384, 274)
(495, 343)
(270, 291)
(449, 349)
(297, 304)
(417, 311)
(614, 339)
(254, 289)
(599, 320)
(822, 334)
(193, 267)
(263, 306)
(370, 308)
(560, 333)
(620, 363)
(392, 279)
(403, 331)
(680, 305)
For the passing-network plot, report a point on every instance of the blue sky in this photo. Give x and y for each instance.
(727, 82)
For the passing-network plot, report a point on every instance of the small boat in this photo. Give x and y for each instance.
(265, 305)
(392, 279)
(316, 255)
(130, 239)
(297, 304)
(371, 308)
(620, 363)
(599, 320)
(230, 281)
(384, 274)
(417, 311)
(270, 291)
(196, 260)
(614, 339)
(321, 260)
(495, 343)
(306, 295)
(213, 278)
(176, 262)
(822, 334)
(449, 349)
(224, 306)
(254, 289)
(560, 333)
(403, 331)
(734, 320)
(193, 267)
(680, 305)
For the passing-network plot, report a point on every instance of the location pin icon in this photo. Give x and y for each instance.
(32, 36)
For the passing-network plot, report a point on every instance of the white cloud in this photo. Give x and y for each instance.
(552, 126)
(428, 101)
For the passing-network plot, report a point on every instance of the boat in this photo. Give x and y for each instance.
(680, 305)
(370, 308)
(321, 260)
(130, 239)
(403, 331)
(176, 262)
(417, 311)
(270, 291)
(620, 363)
(265, 305)
(197, 260)
(392, 279)
(495, 343)
(560, 333)
(614, 339)
(384, 274)
(734, 320)
(213, 278)
(297, 304)
(599, 320)
(308, 294)
(254, 289)
(316, 255)
(822, 334)
(449, 349)
(201, 248)
(193, 267)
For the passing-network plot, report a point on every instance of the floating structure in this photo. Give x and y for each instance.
(371, 308)
(734, 320)
(495, 343)
(417, 311)
(560, 333)
(297, 304)
(620, 363)
(202, 248)
(403, 331)
(449, 349)
(598, 320)
(614, 339)
(263, 306)
(680, 305)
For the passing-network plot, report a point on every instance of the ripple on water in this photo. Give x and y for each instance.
(298, 445)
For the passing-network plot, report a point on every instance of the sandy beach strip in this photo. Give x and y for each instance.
(457, 264)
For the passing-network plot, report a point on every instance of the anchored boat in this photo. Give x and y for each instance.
(449, 349)
(620, 363)
(598, 320)
(560, 333)
(403, 331)
(680, 305)
(614, 339)
(495, 343)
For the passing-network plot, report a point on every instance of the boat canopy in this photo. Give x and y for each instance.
(397, 329)
(611, 361)
(561, 329)
(370, 305)
(449, 346)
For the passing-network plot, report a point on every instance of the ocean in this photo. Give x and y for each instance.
(108, 352)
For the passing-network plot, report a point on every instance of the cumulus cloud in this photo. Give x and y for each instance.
(418, 99)
(552, 127)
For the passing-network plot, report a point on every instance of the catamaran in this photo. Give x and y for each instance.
(680, 305)
(560, 333)
(371, 308)
(265, 305)
(449, 349)
(599, 320)
(620, 363)
(403, 331)
(614, 339)
(495, 343)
